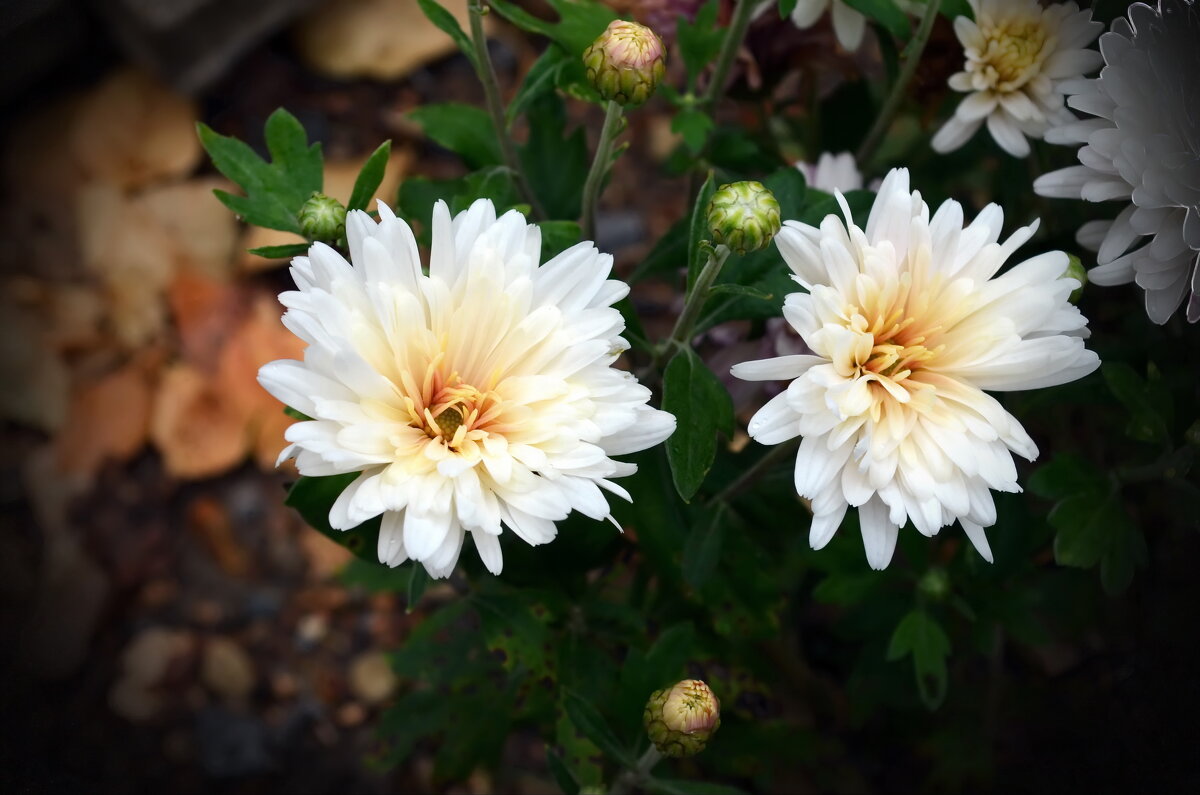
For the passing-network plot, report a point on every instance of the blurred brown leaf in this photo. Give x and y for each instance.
(107, 421)
(381, 39)
(201, 232)
(195, 428)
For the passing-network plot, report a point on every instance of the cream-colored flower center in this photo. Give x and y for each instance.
(447, 409)
(895, 352)
(1011, 55)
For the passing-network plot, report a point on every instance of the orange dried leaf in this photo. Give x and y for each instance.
(107, 421)
(197, 430)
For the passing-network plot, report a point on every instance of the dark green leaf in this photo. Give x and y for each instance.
(558, 236)
(1085, 528)
(417, 197)
(589, 721)
(418, 581)
(369, 177)
(290, 152)
(580, 756)
(1147, 421)
(669, 254)
(703, 548)
(919, 635)
(789, 188)
(541, 78)
(691, 391)
(579, 23)
(495, 183)
(1067, 474)
(555, 162)
(514, 634)
(786, 7)
(562, 776)
(698, 231)
(449, 25)
(296, 415)
(313, 497)
(694, 125)
(286, 251)
(463, 129)
(957, 8)
(700, 40)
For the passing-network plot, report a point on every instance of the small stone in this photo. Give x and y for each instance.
(371, 678)
(311, 629)
(351, 714)
(227, 669)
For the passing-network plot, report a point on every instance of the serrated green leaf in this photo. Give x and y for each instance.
(698, 231)
(370, 177)
(589, 721)
(886, 13)
(285, 251)
(919, 635)
(699, 40)
(579, 22)
(446, 22)
(692, 392)
(291, 153)
(1147, 421)
(463, 129)
(694, 125)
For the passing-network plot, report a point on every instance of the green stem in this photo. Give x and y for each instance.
(491, 92)
(632, 778)
(729, 48)
(890, 105)
(682, 332)
(600, 164)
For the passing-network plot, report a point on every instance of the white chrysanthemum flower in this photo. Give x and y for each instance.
(909, 323)
(1142, 146)
(1017, 53)
(848, 24)
(478, 396)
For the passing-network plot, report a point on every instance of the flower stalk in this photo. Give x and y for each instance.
(491, 92)
(686, 323)
(729, 48)
(629, 779)
(915, 47)
(600, 165)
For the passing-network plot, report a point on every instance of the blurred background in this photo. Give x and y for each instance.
(167, 623)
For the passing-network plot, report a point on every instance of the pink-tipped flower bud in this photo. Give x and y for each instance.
(680, 720)
(626, 62)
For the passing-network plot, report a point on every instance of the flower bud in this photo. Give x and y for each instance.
(1076, 271)
(934, 584)
(680, 720)
(743, 216)
(625, 63)
(322, 218)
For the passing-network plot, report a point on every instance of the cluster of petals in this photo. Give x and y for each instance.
(1017, 52)
(1141, 145)
(476, 397)
(909, 322)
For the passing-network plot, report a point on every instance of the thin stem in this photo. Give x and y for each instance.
(698, 295)
(632, 778)
(747, 479)
(491, 93)
(729, 48)
(890, 105)
(600, 164)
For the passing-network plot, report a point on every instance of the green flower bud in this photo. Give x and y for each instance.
(934, 584)
(743, 216)
(680, 720)
(322, 218)
(626, 63)
(1076, 271)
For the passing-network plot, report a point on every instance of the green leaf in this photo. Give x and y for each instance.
(699, 40)
(789, 188)
(579, 23)
(589, 721)
(671, 786)
(313, 497)
(956, 8)
(694, 125)
(731, 288)
(513, 633)
(558, 236)
(919, 635)
(693, 393)
(580, 756)
(1148, 421)
(1067, 474)
(669, 254)
(786, 7)
(296, 415)
(562, 775)
(495, 183)
(274, 191)
(698, 231)
(285, 251)
(886, 13)
(369, 177)
(449, 25)
(1084, 529)
(540, 79)
(702, 550)
(418, 581)
(555, 162)
(463, 129)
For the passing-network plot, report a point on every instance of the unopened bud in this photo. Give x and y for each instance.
(934, 584)
(743, 216)
(322, 218)
(680, 720)
(625, 63)
(1076, 271)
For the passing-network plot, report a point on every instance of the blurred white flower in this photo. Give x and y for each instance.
(1017, 52)
(848, 24)
(1141, 144)
(478, 396)
(832, 172)
(909, 323)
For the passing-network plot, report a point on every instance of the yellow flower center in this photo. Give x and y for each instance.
(1012, 53)
(447, 409)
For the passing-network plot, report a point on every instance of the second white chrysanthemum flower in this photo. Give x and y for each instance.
(909, 323)
(1017, 53)
(476, 397)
